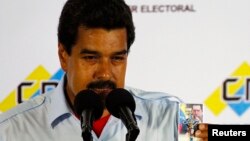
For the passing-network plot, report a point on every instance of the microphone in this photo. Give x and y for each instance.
(89, 106)
(121, 104)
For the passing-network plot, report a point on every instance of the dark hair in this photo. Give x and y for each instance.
(108, 14)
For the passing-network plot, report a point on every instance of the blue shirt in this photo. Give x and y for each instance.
(48, 117)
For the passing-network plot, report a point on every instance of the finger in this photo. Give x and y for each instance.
(201, 134)
(203, 126)
(202, 130)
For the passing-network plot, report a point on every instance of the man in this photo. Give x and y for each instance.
(197, 112)
(94, 39)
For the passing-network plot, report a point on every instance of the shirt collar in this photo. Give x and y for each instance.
(59, 109)
(139, 109)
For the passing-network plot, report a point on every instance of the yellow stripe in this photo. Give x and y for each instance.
(215, 101)
(37, 76)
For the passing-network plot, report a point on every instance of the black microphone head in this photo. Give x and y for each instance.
(118, 98)
(88, 99)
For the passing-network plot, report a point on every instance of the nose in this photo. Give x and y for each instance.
(104, 70)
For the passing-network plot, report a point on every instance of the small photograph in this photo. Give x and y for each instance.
(190, 115)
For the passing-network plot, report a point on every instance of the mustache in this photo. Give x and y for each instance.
(101, 84)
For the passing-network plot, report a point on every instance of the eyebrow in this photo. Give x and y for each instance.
(123, 52)
(87, 51)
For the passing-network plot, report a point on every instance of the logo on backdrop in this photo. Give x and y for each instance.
(162, 8)
(36, 83)
(232, 93)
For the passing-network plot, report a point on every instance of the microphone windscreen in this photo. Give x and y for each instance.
(119, 98)
(88, 100)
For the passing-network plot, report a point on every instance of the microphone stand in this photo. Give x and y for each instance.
(130, 123)
(86, 125)
(132, 134)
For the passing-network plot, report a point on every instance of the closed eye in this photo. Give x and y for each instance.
(90, 57)
(118, 58)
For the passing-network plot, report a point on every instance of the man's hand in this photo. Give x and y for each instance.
(202, 132)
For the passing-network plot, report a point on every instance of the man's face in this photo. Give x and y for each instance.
(197, 110)
(98, 61)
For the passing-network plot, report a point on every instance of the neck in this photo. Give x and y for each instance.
(105, 113)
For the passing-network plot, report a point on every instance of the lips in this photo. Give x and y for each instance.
(102, 91)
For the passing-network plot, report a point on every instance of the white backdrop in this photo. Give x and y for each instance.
(185, 53)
